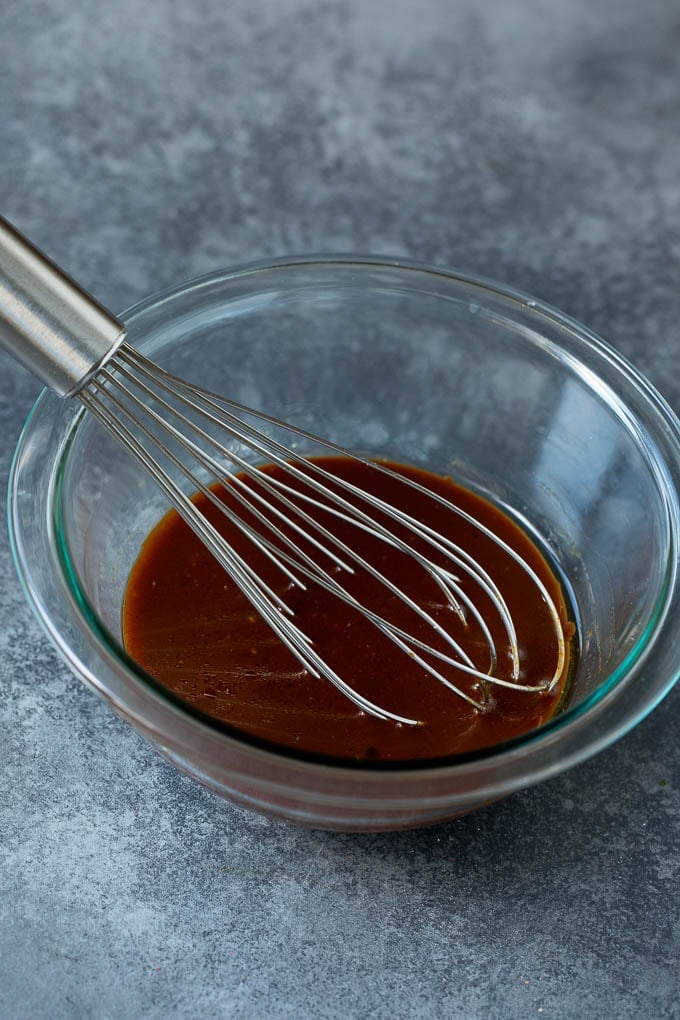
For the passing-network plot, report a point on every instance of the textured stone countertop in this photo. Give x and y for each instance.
(536, 142)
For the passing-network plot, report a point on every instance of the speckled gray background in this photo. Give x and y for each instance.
(537, 142)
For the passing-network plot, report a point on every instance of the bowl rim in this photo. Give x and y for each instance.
(527, 746)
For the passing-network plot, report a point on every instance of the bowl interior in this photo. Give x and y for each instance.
(420, 368)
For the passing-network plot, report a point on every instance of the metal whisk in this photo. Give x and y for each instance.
(78, 349)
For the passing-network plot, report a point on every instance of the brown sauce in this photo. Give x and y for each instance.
(188, 625)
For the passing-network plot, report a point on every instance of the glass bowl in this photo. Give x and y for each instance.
(399, 360)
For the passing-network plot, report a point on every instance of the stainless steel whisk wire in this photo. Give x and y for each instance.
(79, 349)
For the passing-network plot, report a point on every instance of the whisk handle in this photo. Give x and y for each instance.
(47, 322)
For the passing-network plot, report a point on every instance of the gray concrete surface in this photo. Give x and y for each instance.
(537, 142)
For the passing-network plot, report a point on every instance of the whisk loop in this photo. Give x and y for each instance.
(161, 418)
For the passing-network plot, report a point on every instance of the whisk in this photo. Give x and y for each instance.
(175, 429)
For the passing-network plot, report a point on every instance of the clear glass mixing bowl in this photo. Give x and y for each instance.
(415, 364)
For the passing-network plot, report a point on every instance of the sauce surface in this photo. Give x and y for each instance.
(186, 623)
